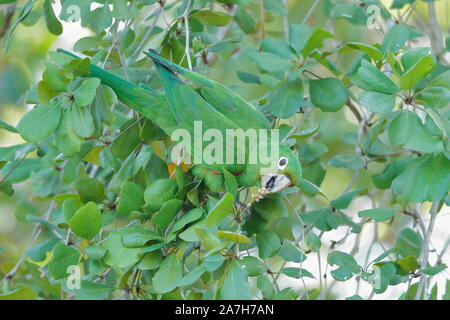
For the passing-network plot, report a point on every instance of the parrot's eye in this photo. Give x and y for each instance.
(282, 163)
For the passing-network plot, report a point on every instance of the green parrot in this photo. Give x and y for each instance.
(189, 97)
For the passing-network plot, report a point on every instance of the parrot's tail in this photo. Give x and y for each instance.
(135, 96)
(116, 83)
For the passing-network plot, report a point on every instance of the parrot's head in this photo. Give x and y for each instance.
(286, 173)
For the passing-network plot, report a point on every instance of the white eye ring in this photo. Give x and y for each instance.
(282, 163)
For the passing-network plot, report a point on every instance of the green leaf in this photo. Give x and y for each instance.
(131, 198)
(416, 73)
(403, 127)
(53, 24)
(318, 218)
(231, 184)
(267, 289)
(90, 189)
(128, 140)
(408, 264)
(245, 20)
(253, 266)
(328, 94)
(375, 79)
(235, 285)
(408, 243)
(151, 261)
(69, 207)
(347, 265)
(435, 97)
(344, 200)
(384, 272)
(92, 291)
(87, 222)
(213, 262)
(270, 208)
(305, 39)
(23, 209)
(395, 38)
(441, 80)
(81, 121)
(296, 273)
(95, 252)
(159, 192)
(377, 102)
(379, 214)
(275, 6)
(63, 257)
(21, 293)
(40, 122)
(100, 19)
(192, 276)
(54, 77)
(289, 252)
(211, 18)
(425, 179)
(271, 62)
(268, 243)
(350, 161)
(372, 51)
(310, 188)
(65, 139)
(118, 255)
(191, 216)
(431, 271)
(167, 213)
(86, 92)
(233, 236)
(248, 77)
(136, 236)
(287, 99)
(279, 48)
(223, 208)
(168, 275)
(121, 10)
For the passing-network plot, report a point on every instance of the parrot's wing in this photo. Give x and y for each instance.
(219, 97)
(188, 106)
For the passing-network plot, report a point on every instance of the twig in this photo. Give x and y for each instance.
(221, 33)
(310, 11)
(390, 154)
(8, 18)
(35, 235)
(436, 38)
(14, 167)
(186, 24)
(423, 283)
(354, 110)
(149, 31)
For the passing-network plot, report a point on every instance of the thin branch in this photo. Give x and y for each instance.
(221, 33)
(149, 31)
(8, 18)
(35, 235)
(186, 24)
(14, 167)
(310, 11)
(436, 38)
(354, 110)
(423, 282)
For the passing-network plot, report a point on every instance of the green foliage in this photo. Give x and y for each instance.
(367, 117)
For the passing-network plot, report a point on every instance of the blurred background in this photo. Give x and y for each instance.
(22, 66)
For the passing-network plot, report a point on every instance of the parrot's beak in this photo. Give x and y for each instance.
(275, 182)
